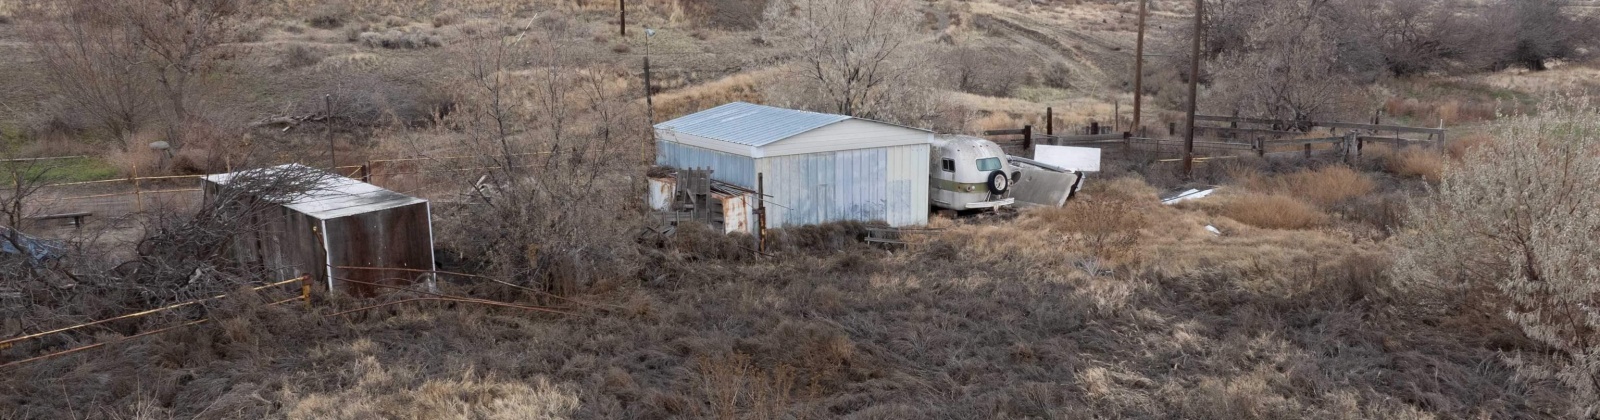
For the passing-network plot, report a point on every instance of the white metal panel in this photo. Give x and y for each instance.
(885, 184)
(1083, 159)
(855, 134)
(333, 197)
(749, 124)
(669, 136)
(726, 167)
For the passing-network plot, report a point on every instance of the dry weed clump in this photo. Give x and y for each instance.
(1323, 187)
(1270, 211)
(1414, 162)
(1108, 219)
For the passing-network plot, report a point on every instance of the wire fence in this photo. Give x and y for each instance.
(432, 178)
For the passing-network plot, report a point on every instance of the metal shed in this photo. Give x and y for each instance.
(340, 222)
(817, 167)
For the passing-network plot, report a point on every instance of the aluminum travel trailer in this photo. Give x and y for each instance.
(969, 173)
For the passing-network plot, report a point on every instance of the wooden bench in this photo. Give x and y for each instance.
(77, 218)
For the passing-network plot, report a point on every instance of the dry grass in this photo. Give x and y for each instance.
(1271, 211)
(1323, 187)
(1416, 162)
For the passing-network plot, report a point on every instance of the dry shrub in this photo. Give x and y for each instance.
(1324, 187)
(735, 388)
(146, 161)
(1457, 148)
(1271, 211)
(447, 18)
(1108, 218)
(1417, 163)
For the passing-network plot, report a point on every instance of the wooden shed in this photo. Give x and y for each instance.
(337, 222)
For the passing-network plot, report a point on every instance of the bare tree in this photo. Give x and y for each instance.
(1287, 68)
(558, 135)
(93, 64)
(179, 39)
(855, 57)
(1543, 32)
(1513, 230)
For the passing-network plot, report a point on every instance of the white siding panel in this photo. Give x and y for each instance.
(846, 135)
(726, 167)
(884, 184)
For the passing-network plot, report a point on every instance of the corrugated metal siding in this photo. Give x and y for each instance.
(884, 184)
(729, 168)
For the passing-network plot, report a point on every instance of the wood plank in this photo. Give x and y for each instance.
(1351, 126)
(1016, 132)
(1298, 142)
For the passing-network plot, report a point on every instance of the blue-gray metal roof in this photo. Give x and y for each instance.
(750, 124)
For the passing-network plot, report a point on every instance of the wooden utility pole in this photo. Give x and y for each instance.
(1138, 71)
(327, 131)
(1194, 89)
(761, 213)
(622, 17)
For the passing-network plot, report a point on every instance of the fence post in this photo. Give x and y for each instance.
(1308, 150)
(1261, 146)
(1027, 137)
(1049, 121)
(366, 172)
(138, 197)
(305, 288)
(1172, 129)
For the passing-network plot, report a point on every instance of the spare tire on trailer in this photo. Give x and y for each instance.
(999, 183)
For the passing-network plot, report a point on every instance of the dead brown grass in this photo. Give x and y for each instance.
(1323, 187)
(1271, 211)
(1418, 163)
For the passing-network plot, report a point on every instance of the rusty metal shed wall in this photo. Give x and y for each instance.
(393, 238)
(882, 184)
(727, 167)
(288, 243)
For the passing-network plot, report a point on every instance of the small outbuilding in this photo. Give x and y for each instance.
(330, 221)
(816, 168)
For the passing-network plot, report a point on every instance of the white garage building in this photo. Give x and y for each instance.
(817, 167)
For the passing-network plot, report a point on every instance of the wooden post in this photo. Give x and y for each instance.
(1116, 116)
(327, 124)
(761, 212)
(1138, 70)
(366, 172)
(622, 17)
(1194, 88)
(1172, 129)
(138, 196)
(1094, 128)
(1441, 142)
(1049, 121)
(1308, 150)
(1261, 146)
(305, 288)
(1027, 137)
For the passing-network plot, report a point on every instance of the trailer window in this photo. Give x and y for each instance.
(989, 164)
(949, 165)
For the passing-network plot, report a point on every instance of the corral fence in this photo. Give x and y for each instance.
(1238, 138)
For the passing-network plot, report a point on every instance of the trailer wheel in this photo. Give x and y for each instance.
(999, 182)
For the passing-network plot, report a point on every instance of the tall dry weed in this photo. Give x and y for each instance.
(1271, 211)
(1323, 187)
(1414, 162)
